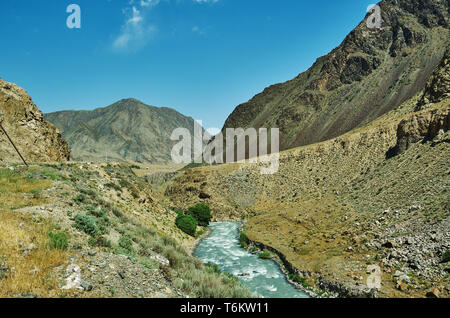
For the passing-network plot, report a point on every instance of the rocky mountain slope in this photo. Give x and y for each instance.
(373, 201)
(372, 72)
(128, 130)
(36, 139)
(96, 230)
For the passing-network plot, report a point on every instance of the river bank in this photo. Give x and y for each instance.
(324, 289)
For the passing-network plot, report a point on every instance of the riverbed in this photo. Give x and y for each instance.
(262, 276)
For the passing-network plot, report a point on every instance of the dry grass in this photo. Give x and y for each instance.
(24, 240)
(18, 191)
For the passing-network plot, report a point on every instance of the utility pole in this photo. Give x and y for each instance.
(12, 143)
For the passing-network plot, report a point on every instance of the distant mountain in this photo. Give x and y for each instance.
(36, 139)
(372, 72)
(128, 130)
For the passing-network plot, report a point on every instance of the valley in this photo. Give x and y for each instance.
(359, 206)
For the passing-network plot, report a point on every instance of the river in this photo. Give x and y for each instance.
(263, 277)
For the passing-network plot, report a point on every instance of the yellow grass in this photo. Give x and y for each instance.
(29, 272)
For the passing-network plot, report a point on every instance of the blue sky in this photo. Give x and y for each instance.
(200, 57)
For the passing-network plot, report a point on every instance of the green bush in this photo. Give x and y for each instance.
(100, 241)
(265, 255)
(243, 239)
(58, 240)
(213, 268)
(186, 223)
(298, 279)
(88, 192)
(87, 224)
(126, 243)
(202, 213)
(446, 256)
(114, 186)
(80, 198)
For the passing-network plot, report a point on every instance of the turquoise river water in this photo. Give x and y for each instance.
(262, 277)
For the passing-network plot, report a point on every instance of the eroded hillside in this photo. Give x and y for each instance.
(371, 73)
(36, 139)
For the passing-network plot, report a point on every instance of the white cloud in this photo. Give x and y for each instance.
(196, 29)
(136, 30)
(148, 3)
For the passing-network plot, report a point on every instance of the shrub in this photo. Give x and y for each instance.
(58, 240)
(243, 239)
(213, 268)
(186, 223)
(100, 241)
(446, 256)
(126, 243)
(80, 198)
(87, 224)
(150, 264)
(202, 213)
(88, 192)
(265, 255)
(114, 186)
(298, 279)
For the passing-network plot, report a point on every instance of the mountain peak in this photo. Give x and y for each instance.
(372, 72)
(130, 100)
(125, 130)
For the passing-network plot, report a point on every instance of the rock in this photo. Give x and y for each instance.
(4, 269)
(73, 279)
(92, 252)
(36, 139)
(86, 286)
(204, 195)
(433, 293)
(402, 286)
(26, 251)
(404, 278)
(374, 279)
(414, 208)
(160, 259)
(102, 264)
(398, 273)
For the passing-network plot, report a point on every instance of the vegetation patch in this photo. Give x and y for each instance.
(265, 255)
(202, 213)
(446, 256)
(243, 239)
(58, 240)
(186, 223)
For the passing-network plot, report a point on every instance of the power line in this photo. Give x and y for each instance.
(12, 143)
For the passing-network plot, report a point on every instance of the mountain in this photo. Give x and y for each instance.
(373, 198)
(128, 130)
(366, 213)
(36, 139)
(372, 72)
